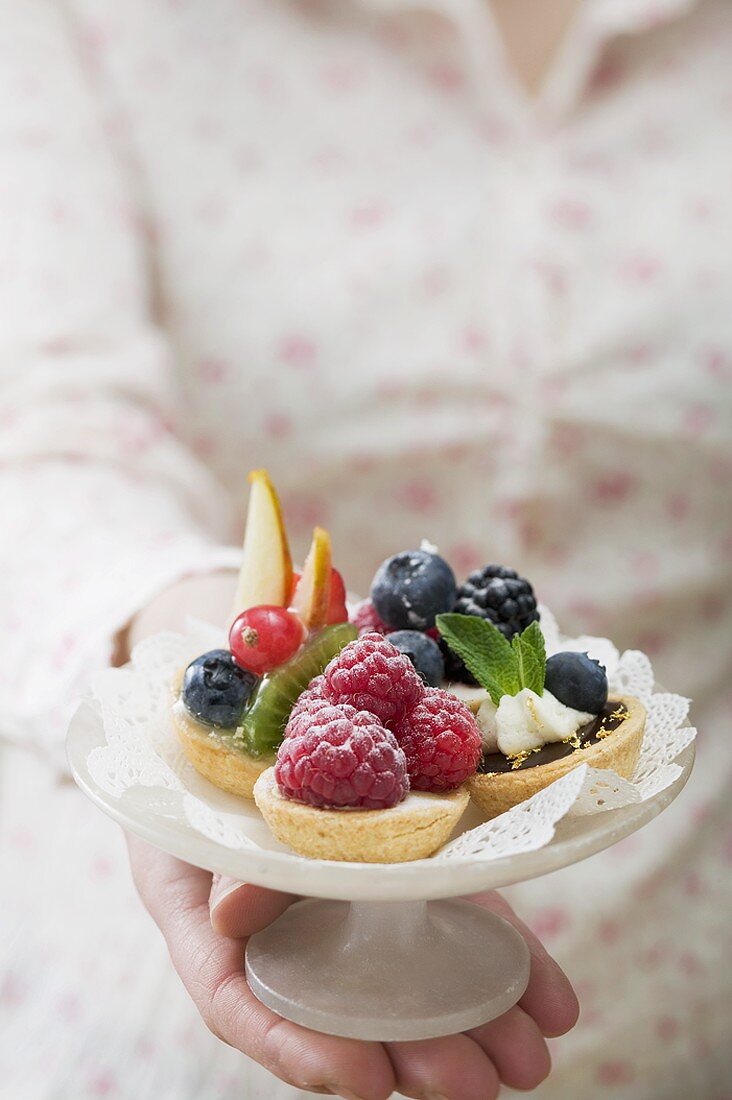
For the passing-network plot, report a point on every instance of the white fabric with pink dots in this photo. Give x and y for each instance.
(335, 238)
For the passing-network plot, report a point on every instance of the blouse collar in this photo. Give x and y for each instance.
(596, 23)
(612, 16)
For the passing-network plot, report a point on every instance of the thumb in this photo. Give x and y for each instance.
(239, 909)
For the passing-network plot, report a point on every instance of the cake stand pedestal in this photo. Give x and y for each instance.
(375, 951)
(388, 970)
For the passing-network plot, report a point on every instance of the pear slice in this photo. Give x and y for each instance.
(265, 576)
(312, 596)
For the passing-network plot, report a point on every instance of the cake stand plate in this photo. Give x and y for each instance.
(356, 963)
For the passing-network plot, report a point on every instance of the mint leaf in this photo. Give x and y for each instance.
(483, 649)
(530, 654)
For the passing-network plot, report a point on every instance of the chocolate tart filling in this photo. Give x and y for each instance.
(609, 718)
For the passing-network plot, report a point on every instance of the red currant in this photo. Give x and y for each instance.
(262, 638)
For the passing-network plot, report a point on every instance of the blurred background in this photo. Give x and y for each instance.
(455, 270)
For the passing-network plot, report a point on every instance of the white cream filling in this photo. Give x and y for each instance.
(523, 722)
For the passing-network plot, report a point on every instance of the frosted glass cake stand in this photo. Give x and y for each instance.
(375, 951)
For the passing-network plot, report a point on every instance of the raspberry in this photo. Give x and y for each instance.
(366, 619)
(441, 742)
(309, 703)
(342, 758)
(316, 688)
(313, 692)
(371, 674)
(313, 713)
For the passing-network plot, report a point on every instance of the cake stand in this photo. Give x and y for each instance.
(351, 957)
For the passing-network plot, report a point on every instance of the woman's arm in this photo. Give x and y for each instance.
(102, 505)
(104, 511)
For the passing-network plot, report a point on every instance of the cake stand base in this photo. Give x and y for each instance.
(388, 970)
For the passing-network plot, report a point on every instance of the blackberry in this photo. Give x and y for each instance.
(500, 595)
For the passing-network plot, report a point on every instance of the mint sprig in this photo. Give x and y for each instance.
(531, 657)
(483, 650)
(499, 666)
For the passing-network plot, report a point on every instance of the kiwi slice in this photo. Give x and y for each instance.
(264, 722)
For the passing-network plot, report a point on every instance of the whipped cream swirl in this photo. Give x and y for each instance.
(527, 721)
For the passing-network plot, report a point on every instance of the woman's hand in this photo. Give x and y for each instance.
(206, 930)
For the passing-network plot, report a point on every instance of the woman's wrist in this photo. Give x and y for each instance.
(206, 596)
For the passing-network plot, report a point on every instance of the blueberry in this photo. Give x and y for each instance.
(216, 690)
(411, 588)
(577, 681)
(423, 652)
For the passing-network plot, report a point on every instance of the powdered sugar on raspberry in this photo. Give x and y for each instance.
(309, 702)
(371, 674)
(441, 741)
(305, 713)
(343, 759)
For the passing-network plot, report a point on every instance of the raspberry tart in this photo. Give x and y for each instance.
(373, 765)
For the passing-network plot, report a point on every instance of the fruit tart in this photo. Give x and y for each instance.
(364, 740)
(374, 763)
(539, 718)
(230, 706)
(482, 640)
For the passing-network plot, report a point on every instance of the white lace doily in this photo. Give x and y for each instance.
(143, 754)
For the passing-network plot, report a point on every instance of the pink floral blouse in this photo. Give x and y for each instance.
(336, 239)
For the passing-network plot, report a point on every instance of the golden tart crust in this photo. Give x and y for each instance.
(495, 792)
(413, 829)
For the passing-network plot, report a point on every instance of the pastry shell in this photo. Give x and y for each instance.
(413, 829)
(495, 792)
